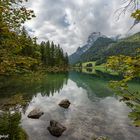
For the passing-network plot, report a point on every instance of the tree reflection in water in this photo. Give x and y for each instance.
(29, 85)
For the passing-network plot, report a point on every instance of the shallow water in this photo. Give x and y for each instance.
(94, 111)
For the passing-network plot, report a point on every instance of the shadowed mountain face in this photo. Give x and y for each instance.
(81, 50)
(102, 47)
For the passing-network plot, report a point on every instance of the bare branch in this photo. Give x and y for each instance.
(128, 5)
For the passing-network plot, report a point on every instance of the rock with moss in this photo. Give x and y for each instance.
(65, 103)
(56, 129)
(35, 114)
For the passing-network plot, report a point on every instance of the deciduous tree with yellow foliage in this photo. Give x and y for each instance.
(129, 68)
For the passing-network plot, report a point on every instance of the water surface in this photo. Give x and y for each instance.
(94, 110)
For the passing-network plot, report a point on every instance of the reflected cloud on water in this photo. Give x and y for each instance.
(94, 109)
(84, 119)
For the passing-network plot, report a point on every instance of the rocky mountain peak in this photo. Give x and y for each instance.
(90, 42)
(91, 39)
(94, 36)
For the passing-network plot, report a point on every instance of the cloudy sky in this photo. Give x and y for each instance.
(70, 22)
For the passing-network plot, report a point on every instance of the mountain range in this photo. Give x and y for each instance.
(99, 47)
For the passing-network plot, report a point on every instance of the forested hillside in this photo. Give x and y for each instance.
(20, 53)
(127, 46)
(105, 47)
(95, 53)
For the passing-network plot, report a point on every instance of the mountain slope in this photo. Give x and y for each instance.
(75, 57)
(126, 46)
(97, 49)
(102, 48)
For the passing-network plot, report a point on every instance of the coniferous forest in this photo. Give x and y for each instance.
(19, 52)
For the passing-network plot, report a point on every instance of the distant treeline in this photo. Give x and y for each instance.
(19, 53)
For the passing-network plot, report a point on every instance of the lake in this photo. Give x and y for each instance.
(94, 109)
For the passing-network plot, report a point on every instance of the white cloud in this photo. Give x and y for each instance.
(70, 22)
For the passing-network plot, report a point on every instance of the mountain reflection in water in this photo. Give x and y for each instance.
(94, 109)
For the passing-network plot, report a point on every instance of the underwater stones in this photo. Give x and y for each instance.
(35, 114)
(1, 113)
(56, 129)
(96, 128)
(101, 138)
(65, 103)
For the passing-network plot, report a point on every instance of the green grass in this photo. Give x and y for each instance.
(90, 62)
(101, 68)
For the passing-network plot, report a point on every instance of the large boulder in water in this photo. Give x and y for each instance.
(65, 103)
(56, 129)
(35, 114)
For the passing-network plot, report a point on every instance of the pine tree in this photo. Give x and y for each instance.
(48, 59)
(42, 51)
(66, 60)
(52, 55)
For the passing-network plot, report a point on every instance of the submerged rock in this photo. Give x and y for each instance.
(65, 103)
(1, 113)
(35, 114)
(101, 138)
(56, 129)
